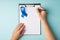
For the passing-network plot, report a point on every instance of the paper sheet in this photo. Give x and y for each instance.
(32, 21)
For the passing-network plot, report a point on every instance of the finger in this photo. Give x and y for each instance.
(20, 26)
(38, 12)
(43, 13)
(22, 33)
(22, 30)
(41, 9)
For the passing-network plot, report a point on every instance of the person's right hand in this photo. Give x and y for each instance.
(47, 31)
(41, 13)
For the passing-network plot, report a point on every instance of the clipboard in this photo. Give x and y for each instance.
(27, 14)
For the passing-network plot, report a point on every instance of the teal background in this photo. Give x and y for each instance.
(9, 18)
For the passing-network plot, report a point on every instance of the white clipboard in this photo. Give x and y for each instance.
(31, 20)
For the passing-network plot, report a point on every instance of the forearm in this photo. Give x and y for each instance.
(42, 16)
(47, 31)
(13, 39)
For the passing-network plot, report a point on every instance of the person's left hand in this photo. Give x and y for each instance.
(18, 31)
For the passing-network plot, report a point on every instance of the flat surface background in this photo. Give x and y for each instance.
(9, 18)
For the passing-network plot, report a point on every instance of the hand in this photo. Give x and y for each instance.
(41, 13)
(18, 31)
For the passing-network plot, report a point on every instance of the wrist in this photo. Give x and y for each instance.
(43, 21)
(13, 39)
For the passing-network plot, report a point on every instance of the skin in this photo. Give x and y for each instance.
(42, 15)
(19, 30)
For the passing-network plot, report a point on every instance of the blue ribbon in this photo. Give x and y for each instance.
(23, 11)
